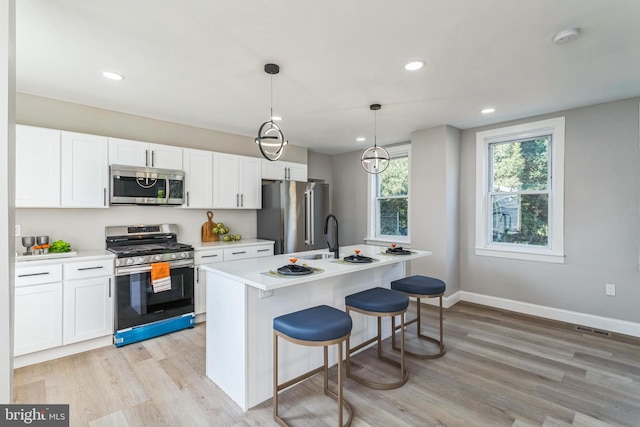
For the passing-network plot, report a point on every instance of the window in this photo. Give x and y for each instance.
(520, 191)
(389, 199)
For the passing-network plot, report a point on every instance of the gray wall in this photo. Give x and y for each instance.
(602, 214)
(601, 220)
(84, 228)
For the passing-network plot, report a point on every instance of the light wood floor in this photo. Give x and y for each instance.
(500, 369)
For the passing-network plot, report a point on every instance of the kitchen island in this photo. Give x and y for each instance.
(244, 296)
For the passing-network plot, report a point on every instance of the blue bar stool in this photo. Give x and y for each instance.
(421, 287)
(316, 326)
(379, 302)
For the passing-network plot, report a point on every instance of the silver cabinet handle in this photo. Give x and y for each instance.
(209, 256)
(237, 200)
(241, 200)
(263, 250)
(153, 160)
(187, 198)
(109, 287)
(91, 268)
(33, 274)
(197, 274)
(238, 253)
(104, 197)
(146, 157)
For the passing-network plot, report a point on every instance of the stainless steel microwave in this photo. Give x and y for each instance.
(132, 185)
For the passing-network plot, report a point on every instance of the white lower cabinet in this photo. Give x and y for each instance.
(87, 300)
(38, 308)
(212, 256)
(61, 304)
(204, 257)
(38, 318)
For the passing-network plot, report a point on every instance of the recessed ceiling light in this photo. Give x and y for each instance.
(565, 36)
(112, 75)
(276, 118)
(361, 138)
(414, 65)
(488, 110)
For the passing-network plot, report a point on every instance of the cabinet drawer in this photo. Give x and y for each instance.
(209, 256)
(260, 251)
(237, 253)
(36, 275)
(85, 269)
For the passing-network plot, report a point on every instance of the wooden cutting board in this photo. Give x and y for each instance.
(207, 234)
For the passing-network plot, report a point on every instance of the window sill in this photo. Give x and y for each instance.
(556, 258)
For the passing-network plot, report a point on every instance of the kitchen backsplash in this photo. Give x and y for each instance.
(84, 228)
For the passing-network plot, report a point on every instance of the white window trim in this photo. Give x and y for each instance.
(372, 239)
(484, 246)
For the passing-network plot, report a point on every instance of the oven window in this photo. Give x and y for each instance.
(138, 304)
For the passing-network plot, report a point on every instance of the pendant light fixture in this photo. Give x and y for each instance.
(375, 159)
(270, 138)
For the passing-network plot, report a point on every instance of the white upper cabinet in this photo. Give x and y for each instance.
(284, 170)
(84, 171)
(144, 154)
(198, 169)
(37, 167)
(237, 182)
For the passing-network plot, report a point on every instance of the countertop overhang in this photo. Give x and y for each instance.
(251, 271)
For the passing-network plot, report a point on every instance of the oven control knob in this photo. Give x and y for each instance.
(129, 260)
(158, 257)
(140, 260)
(184, 255)
(174, 256)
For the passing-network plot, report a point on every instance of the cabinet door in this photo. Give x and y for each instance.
(88, 309)
(198, 168)
(297, 172)
(200, 287)
(127, 152)
(165, 156)
(262, 250)
(84, 170)
(273, 170)
(250, 180)
(38, 318)
(37, 167)
(225, 181)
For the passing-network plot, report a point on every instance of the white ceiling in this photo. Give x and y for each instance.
(200, 62)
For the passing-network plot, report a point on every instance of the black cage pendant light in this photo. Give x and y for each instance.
(270, 138)
(375, 159)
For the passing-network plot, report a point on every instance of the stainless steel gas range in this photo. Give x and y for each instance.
(154, 281)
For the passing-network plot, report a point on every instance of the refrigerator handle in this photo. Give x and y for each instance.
(308, 229)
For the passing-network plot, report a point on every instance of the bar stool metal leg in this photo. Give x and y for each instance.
(404, 374)
(419, 334)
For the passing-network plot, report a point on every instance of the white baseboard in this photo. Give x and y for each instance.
(61, 351)
(573, 317)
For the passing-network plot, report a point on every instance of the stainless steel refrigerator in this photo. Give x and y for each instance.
(293, 215)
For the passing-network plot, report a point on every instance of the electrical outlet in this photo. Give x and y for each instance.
(18, 230)
(265, 294)
(610, 289)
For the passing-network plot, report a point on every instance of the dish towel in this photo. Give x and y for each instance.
(160, 277)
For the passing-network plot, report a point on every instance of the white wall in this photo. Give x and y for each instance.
(7, 161)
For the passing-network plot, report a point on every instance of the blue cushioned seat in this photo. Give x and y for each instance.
(419, 285)
(321, 323)
(379, 300)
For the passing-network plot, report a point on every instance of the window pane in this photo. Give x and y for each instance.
(521, 219)
(520, 165)
(392, 215)
(394, 181)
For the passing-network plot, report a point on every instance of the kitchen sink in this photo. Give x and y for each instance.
(316, 256)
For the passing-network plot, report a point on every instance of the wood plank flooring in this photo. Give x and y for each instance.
(501, 369)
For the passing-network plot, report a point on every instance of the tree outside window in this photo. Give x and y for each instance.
(392, 199)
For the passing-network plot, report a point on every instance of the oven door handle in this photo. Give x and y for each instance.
(124, 271)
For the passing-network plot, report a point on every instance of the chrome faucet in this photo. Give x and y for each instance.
(336, 248)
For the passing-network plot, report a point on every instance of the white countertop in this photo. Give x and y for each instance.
(198, 246)
(58, 258)
(252, 271)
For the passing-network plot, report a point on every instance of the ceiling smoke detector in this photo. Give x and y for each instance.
(566, 36)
